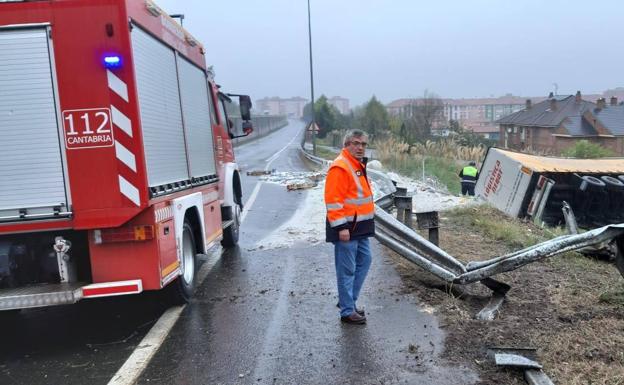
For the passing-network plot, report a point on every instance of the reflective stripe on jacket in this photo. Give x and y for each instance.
(469, 174)
(348, 198)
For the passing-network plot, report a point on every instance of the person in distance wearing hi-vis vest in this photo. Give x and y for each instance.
(350, 222)
(469, 175)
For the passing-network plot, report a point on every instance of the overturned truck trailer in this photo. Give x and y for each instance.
(536, 187)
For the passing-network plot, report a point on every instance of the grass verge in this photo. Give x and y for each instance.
(569, 306)
(325, 153)
(495, 225)
(443, 170)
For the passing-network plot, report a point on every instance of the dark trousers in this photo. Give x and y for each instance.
(468, 188)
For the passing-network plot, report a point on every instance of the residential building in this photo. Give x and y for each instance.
(268, 106)
(557, 123)
(474, 114)
(407, 107)
(341, 104)
(480, 115)
(291, 107)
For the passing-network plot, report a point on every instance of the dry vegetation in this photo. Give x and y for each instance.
(446, 148)
(442, 159)
(570, 307)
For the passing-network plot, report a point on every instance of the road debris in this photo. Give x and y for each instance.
(260, 172)
(523, 359)
(295, 180)
(301, 185)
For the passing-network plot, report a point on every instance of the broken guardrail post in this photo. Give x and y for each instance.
(429, 221)
(404, 209)
(399, 197)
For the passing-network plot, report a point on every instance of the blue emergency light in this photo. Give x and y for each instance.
(112, 61)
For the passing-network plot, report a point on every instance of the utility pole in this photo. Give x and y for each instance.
(313, 121)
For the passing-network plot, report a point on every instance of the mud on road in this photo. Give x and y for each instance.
(570, 307)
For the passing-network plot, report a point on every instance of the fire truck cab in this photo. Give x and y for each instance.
(117, 165)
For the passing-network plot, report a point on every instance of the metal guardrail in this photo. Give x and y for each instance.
(409, 244)
(425, 254)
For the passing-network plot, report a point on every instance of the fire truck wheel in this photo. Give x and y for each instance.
(183, 287)
(230, 233)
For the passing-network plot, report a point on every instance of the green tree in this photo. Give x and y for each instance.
(468, 138)
(586, 150)
(395, 125)
(374, 118)
(455, 126)
(326, 116)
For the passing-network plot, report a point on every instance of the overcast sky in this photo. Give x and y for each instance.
(399, 48)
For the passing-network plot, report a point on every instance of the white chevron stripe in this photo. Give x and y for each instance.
(124, 155)
(121, 121)
(129, 190)
(117, 85)
(164, 214)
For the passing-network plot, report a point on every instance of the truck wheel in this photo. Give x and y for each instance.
(591, 183)
(612, 182)
(230, 233)
(182, 288)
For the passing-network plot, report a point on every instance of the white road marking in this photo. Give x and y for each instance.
(137, 362)
(277, 154)
(130, 371)
(254, 193)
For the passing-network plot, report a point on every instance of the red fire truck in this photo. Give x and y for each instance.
(117, 167)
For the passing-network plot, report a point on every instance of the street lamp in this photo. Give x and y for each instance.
(312, 122)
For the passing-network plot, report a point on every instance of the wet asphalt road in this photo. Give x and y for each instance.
(262, 315)
(83, 343)
(268, 316)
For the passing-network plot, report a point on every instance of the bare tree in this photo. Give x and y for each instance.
(420, 116)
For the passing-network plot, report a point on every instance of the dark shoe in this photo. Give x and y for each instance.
(354, 318)
(359, 311)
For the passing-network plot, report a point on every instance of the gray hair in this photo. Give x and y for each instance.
(354, 133)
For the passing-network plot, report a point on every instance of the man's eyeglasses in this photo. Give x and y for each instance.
(355, 143)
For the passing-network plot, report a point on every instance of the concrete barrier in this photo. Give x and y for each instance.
(263, 125)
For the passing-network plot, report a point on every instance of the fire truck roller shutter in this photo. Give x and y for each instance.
(196, 113)
(160, 112)
(32, 183)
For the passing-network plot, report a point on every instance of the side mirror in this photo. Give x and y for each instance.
(230, 124)
(245, 107)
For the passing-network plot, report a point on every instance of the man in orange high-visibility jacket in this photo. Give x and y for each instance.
(350, 222)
